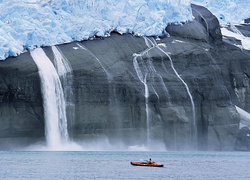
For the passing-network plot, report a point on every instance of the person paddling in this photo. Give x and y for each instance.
(150, 161)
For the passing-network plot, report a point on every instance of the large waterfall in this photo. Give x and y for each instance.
(54, 102)
(56, 131)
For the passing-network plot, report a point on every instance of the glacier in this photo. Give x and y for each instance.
(227, 11)
(28, 24)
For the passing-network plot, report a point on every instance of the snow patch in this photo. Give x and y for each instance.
(245, 41)
(244, 117)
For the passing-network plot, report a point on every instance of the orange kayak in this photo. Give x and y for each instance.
(146, 164)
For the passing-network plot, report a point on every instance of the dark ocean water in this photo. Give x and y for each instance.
(74, 165)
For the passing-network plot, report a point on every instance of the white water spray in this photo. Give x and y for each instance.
(54, 103)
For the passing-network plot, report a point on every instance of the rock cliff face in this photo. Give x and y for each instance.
(193, 78)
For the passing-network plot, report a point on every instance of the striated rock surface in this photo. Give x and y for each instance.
(193, 78)
(21, 112)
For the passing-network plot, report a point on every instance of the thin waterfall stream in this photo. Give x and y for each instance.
(193, 131)
(64, 71)
(147, 74)
(143, 79)
(96, 58)
(153, 44)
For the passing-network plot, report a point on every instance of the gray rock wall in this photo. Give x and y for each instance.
(21, 112)
(110, 98)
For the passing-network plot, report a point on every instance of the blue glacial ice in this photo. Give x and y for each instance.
(28, 24)
(227, 11)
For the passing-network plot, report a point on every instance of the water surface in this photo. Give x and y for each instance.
(23, 165)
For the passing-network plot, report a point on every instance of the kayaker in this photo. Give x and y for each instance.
(150, 161)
